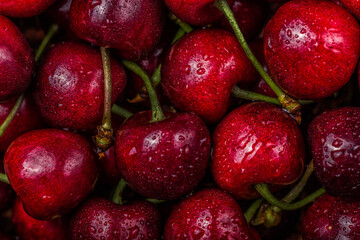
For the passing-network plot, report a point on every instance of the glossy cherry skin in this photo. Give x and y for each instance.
(16, 60)
(100, 219)
(27, 118)
(353, 6)
(256, 143)
(23, 8)
(134, 28)
(334, 137)
(208, 214)
(332, 218)
(51, 170)
(29, 228)
(166, 159)
(200, 70)
(309, 54)
(70, 86)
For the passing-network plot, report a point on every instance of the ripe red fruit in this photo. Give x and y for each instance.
(256, 143)
(134, 28)
(308, 53)
(32, 229)
(334, 137)
(200, 70)
(23, 8)
(70, 86)
(166, 159)
(353, 6)
(16, 62)
(208, 214)
(332, 218)
(51, 170)
(100, 219)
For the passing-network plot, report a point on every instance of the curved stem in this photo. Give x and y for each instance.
(122, 112)
(290, 104)
(253, 96)
(11, 115)
(52, 31)
(4, 178)
(157, 113)
(156, 77)
(117, 197)
(268, 196)
(186, 27)
(250, 212)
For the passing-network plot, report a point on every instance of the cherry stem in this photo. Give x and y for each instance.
(186, 27)
(157, 113)
(155, 201)
(253, 96)
(287, 102)
(251, 211)
(11, 115)
(122, 112)
(117, 197)
(50, 34)
(268, 196)
(4, 178)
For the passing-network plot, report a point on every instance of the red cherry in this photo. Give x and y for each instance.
(16, 61)
(308, 53)
(331, 218)
(51, 170)
(200, 70)
(100, 219)
(256, 143)
(353, 6)
(23, 8)
(134, 28)
(208, 214)
(70, 89)
(166, 159)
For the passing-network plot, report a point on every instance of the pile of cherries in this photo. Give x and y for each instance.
(179, 119)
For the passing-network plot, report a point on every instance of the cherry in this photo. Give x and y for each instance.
(132, 28)
(165, 159)
(51, 170)
(302, 43)
(256, 143)
(100, 219)
(70, 90)
(23, 8)
(6, 192)
(334, 137)
(27, 119)
(29, 228)
(208, 214)
(200, 70)
(353, 6)
(331, 218)
(16, 62)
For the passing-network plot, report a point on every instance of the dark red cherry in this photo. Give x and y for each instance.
(208, 214)
(70, 86)
(16, 61)
(200, 70)
(308, 53)
(335, 143)
(353, 6)
(332, 218)
(23, 8)
(256, 143)
(29, 228)
(27, 118)
(166, 159)
(59, 13)
(51, 170)
(100, 219)
(133, 27)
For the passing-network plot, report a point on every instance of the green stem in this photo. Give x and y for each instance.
(105, 56)
(187, 28)
(50, 34)
(253, 96)
(4, 178)
(268, 196)
(181, 32)
(117, 197)
(11, 115)
(156, 77)
(157, 113)
(250, 212)
(155, 201)
(290, 104)
(122, 112)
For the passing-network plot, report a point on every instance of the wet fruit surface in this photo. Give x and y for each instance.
(23, 8)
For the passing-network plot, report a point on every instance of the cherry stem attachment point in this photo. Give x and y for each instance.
(117, 197)
(50, 34)
(157, 113)
(11, 115)
(251, 211)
